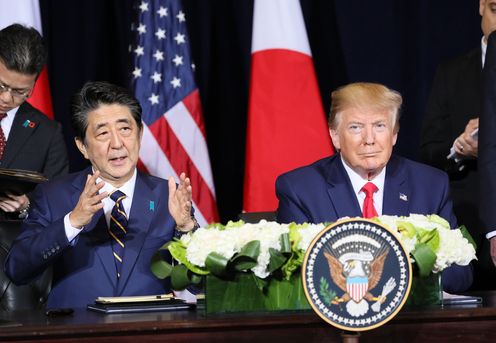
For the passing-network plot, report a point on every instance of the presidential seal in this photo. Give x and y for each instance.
(356, 274)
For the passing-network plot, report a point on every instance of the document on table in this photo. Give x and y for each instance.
(456, 299)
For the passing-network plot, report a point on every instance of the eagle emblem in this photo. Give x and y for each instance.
(356, 274)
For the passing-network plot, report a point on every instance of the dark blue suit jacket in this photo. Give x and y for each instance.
(322, 192)
(86, 269)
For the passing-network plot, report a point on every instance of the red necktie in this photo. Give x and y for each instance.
(3, 141)
(368, 204)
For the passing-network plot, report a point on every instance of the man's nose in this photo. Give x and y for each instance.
(368, 135)
(115, 139)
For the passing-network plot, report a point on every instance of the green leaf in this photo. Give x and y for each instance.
(180, 277)
(285, 243)
(231, 224)
(178, 251)
(467, 235)
(424, 258)
(260, 283)
(216, 263)
(159, 267)
(406, 229)
(277, 259)
(429, 237)
(293, 264)
(247, 257)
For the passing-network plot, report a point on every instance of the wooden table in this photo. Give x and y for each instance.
(448, 324)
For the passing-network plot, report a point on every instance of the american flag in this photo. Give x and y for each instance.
(174, 139)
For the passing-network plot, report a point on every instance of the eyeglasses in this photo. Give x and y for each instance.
(15, 93)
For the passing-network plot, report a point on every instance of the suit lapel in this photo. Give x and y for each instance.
(340, 191)
(396, 190)
(19, 135)
(138, 227)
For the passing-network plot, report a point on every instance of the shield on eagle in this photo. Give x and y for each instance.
(357, 287)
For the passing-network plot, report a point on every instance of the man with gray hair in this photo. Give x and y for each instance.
(28, 139)
(365, 178)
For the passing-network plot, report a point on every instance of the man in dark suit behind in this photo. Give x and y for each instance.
(71, 222)
(364, 124)
(33, 142)
(451, 117)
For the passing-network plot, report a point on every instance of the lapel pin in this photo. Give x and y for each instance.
(403, 197)
(152, 205)
(29, 123)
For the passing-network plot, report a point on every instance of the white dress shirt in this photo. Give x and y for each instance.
(7, 122)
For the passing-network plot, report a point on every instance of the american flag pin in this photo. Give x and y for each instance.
(152, 205)
(403, 197)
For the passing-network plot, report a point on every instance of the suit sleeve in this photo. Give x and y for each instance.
(41, 241)
(457, 278)
(290, 208)
(56, 163)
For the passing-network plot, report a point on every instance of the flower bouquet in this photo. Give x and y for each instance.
(254, 267)
(433, 247)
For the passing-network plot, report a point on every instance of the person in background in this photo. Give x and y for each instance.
(100, 227)
(450, 128)
(364, 178)
(28, 139)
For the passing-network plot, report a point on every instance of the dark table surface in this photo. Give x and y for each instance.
(438, 323)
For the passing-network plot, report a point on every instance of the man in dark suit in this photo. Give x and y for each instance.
(451, 117)
(487, 156)
(28, 139)
(71, 222)
(364, 177)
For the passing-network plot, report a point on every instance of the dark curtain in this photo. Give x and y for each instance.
(398, 43)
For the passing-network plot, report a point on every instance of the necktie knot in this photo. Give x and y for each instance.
(369, 189)
(369, 210)
(2, 115)
(117, 196)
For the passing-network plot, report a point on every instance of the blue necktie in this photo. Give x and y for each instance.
(118, 229)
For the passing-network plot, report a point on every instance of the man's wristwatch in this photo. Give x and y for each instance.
(180, 232)
(195, 226)
(23, 213)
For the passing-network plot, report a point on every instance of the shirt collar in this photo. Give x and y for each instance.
(127, 188)
(12, 112)
(357, 182)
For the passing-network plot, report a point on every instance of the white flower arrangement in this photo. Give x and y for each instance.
(267, 247)
(449, 246)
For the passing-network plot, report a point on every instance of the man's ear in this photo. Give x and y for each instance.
(335, 138)
(82, 148)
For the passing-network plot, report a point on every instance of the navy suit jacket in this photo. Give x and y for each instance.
(37, 147)
(86, 269)
(322, 192)
(487, 140)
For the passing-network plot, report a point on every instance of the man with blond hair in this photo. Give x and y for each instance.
(364, 178)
